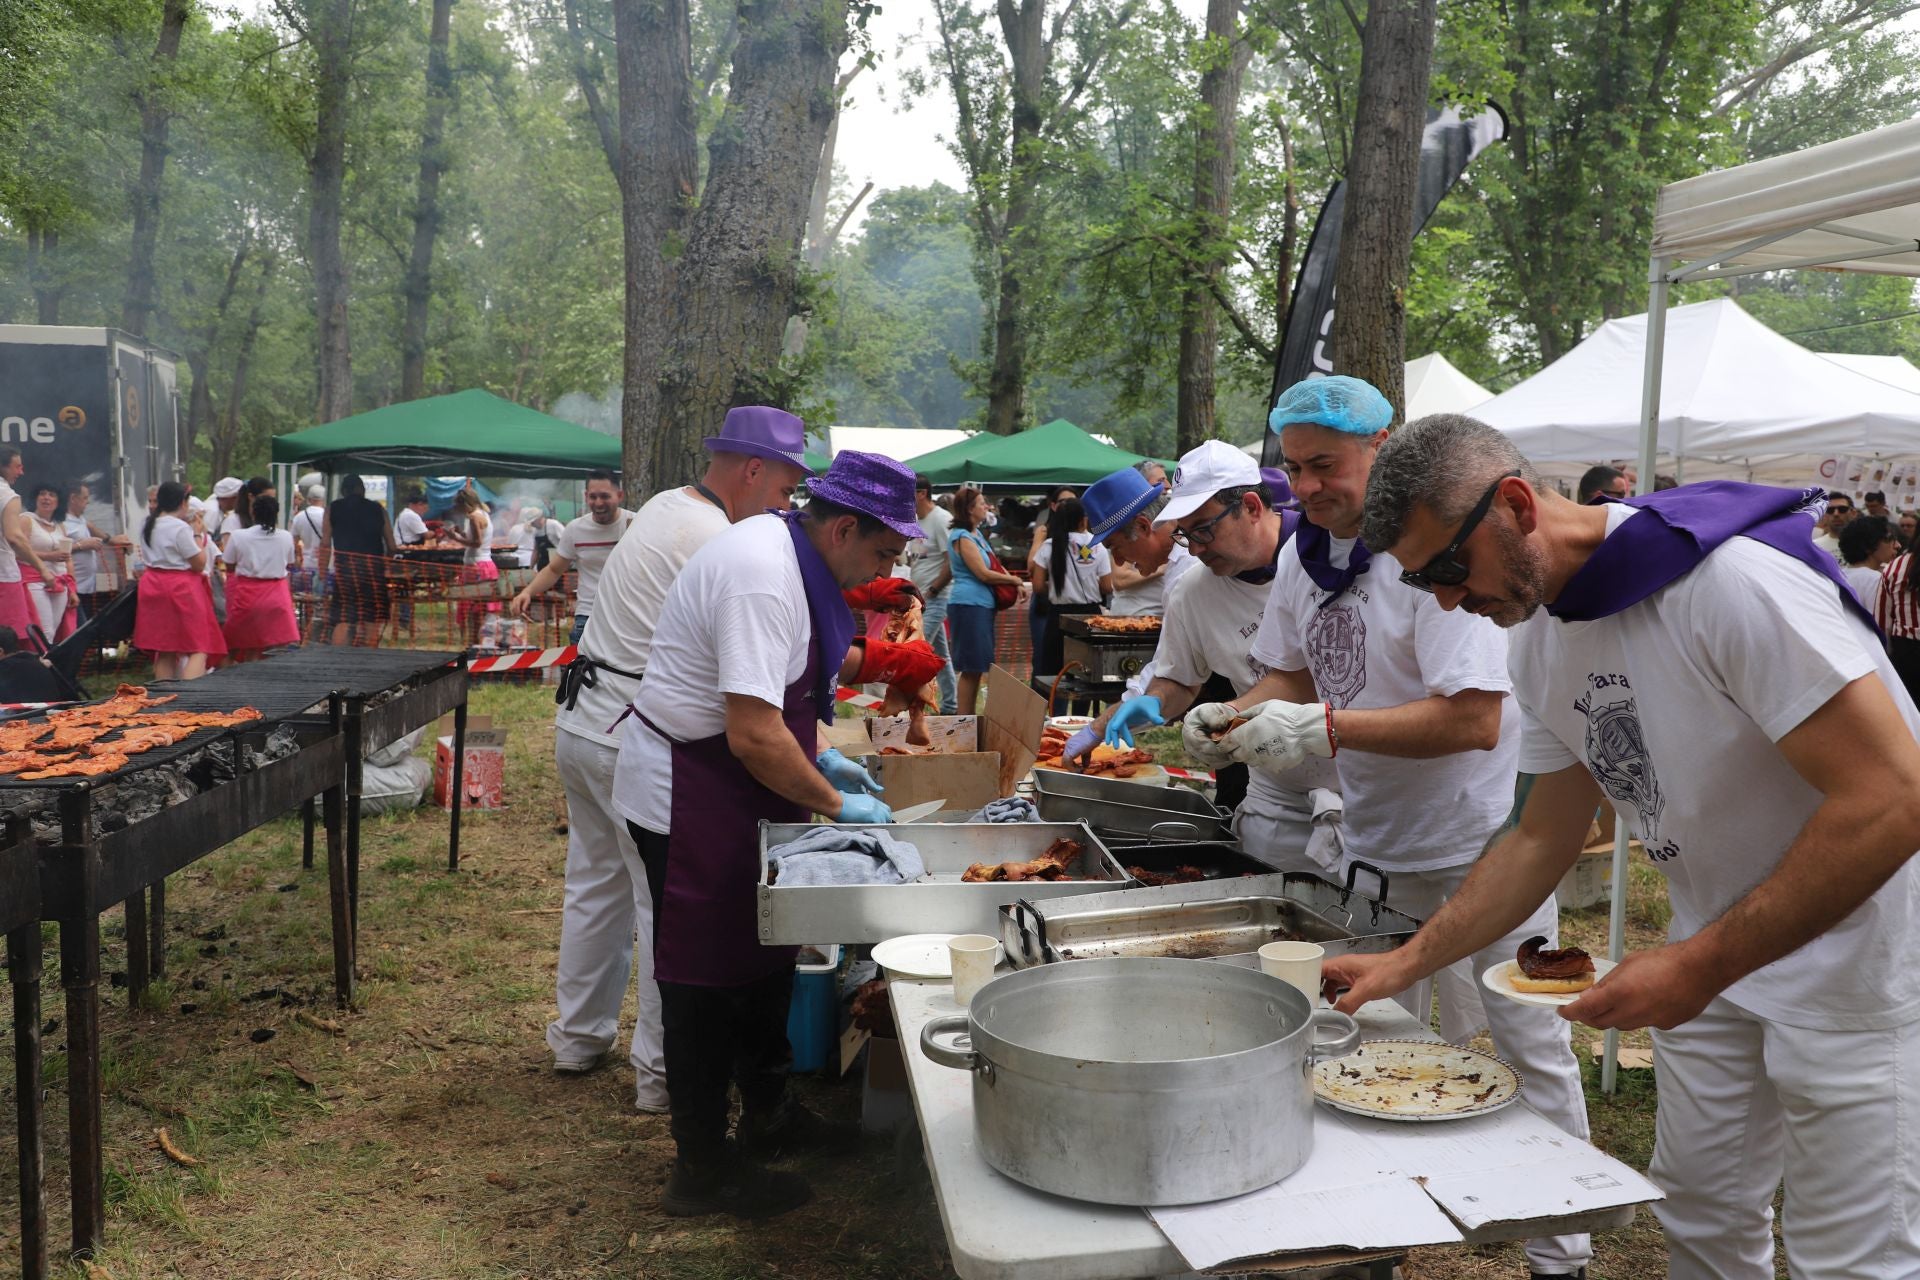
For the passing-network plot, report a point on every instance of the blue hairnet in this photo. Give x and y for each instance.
(1343, 403)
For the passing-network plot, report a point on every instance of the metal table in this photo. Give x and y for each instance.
(999, 1229)
(20, 921)
(91, 866)
(424, 685)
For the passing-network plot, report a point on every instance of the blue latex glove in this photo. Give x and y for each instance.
(845, 775)
(1080, 745)
(1135, 713)
(863, 808)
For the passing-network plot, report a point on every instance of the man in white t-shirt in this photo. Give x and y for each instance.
(753, 640)
(1867, 546)
(607, 900)
(1410, 702)
(1218, 512)
(308, 526)
(223, 516)
(1693, 657)
(932, 573)
(584, 544)
(410, 526)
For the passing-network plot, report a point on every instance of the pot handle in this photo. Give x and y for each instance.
(961, 1059)
(1191, 830)
(1322, 1050)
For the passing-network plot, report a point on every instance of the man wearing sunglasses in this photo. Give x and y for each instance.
(1838, 515)
(1691, 656)
(1411, 703)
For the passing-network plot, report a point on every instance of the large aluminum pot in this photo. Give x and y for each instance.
(1141, 1081)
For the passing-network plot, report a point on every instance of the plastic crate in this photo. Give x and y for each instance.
(813, 1016)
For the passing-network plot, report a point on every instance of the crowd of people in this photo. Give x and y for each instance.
(1426, 658)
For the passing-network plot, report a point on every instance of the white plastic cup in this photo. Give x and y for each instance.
(1297, 964)
(973, 956)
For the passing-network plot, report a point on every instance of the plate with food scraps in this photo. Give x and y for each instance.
(1416, 1080)
(1499, 980)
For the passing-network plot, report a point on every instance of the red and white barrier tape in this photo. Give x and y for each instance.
(1197, 775)
(526, 660)
(31, 706)
(855, 698)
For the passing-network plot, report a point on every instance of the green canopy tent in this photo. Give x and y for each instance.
(1056, 452)
(468, 432)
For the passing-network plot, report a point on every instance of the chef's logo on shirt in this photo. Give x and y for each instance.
(1617, 756)
(1336, 643)
(1083, 554)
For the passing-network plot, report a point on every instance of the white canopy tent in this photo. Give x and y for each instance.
(1738, 395)
(1435, 386)
(1851, 205)
(902, 444)
(1898, 370)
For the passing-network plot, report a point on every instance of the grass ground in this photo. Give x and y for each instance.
(430, 1140)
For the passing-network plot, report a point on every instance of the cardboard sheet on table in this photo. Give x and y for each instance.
(1373, 1184)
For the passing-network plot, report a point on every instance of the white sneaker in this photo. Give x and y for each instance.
(578, 1066)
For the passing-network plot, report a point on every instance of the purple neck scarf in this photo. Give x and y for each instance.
(1681, 527)
(1316, 557)
(827, 610)
(1289, 521)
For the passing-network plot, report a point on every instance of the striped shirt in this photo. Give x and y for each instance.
(1898, 610)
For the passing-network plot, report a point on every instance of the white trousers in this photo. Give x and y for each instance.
(1536, 1040)
(607, 905)
(49, 607)
(1743, 1102)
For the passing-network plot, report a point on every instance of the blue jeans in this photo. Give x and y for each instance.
(934, 618)
(579, 625)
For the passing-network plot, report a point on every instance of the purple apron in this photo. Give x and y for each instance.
(706, 933)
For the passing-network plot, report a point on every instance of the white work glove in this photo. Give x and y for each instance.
(1198, 728)
(1279, 735)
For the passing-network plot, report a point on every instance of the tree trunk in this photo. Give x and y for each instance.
(1213, 161)
(326, 170)
(228, 434)
(154, 119)
(1024, 28)
(43, 246)
(659, 165)
(735, 283)
(200, 410)
(1376, 232)
(821, 235)
(426, 209)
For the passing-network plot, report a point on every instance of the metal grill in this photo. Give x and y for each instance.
(276, 696)
(350, 671)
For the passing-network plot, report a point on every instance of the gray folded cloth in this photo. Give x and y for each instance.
(840, 855)
(1010, 809)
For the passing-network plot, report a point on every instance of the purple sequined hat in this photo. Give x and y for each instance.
(764, 432)
(873, 486)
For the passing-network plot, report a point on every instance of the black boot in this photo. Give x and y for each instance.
(792, 1129)
(732, 1185)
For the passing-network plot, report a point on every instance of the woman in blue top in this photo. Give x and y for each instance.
(970, 608)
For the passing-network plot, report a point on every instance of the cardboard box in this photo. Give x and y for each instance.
(483, 772)
(964, 781)
(1010, 728)
(1588, 882)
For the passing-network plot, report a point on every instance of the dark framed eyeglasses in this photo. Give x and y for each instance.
(1445, 569)
(1839, 511)
(1201, 534)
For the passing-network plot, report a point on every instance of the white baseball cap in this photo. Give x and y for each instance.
(1203, 472)
(227, 488)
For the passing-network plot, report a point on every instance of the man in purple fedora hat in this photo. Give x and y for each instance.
(755, 465)
(753, 640)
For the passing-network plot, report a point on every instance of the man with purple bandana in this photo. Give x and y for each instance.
(1695, 659)
(749, 649)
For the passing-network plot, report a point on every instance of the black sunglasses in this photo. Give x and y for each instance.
(1445, 569)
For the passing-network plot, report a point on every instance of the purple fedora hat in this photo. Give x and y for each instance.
(872, 485)
(764, 432)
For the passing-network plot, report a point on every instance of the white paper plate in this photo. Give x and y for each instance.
(1419, 1081)
(1499, 980)
(922, 955)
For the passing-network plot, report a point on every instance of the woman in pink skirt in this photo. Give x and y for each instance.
(175, 621)
(476, 560)
(259, 601)
(16, 549)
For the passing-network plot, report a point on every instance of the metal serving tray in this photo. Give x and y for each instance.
(1123, 812)
(941, 903)
(1214, 917)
